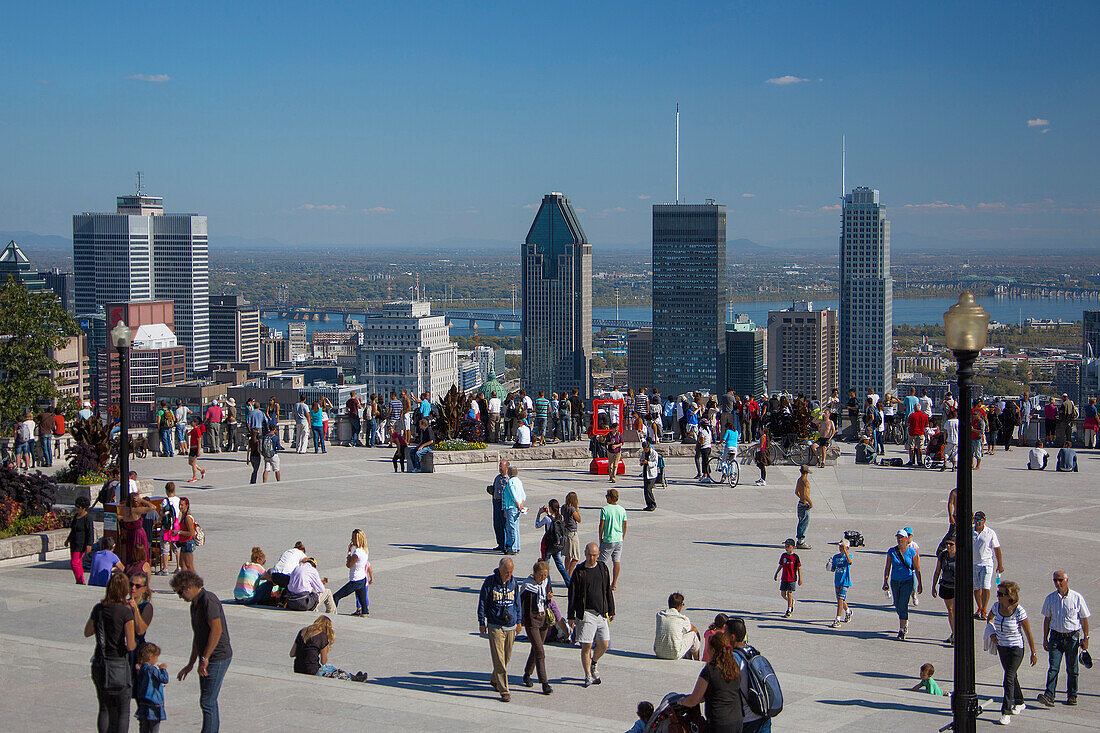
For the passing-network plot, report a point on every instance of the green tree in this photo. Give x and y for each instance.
(31, 325)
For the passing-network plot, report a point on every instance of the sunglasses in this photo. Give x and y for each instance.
(137, 585)
(1001, 593)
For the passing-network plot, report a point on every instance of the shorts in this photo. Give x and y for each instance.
(983, 577)
(192, 452)
(186, 546)
(25, 448)
(611, 551)
(947, 594)
(540, 426)
(841, 592)
(824, 442)
(916, 442)
(593, 628)
(787, 586)
(272, 463)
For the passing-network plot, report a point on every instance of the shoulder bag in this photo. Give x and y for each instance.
(115, 670)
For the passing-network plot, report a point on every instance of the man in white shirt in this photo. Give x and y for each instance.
(1037, 457)
(281, 570)
(676, 637)
(494, 418)
(616, 394)
(1065, 630)
(925, 403)
(523, 435)
(986, 547)
(951, 442)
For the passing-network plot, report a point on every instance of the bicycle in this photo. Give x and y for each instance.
(731, 471)
(789, 450)
(894, 434)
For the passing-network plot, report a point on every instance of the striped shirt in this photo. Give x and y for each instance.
(1065, 613)
(542, 408)
(395, 409)
(1009, 629)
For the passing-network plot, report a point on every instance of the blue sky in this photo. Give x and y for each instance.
(382, 123)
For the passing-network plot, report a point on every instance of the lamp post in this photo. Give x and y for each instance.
(121, 336)
(966, 325)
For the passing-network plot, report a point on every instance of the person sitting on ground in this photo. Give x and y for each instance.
(1037, 457)
(105, 563)
(645, 712)
(250, 577)
(676, 637)
(310, 652)
(307, 590)
(523, 435)
(1067, 459)
(927, 683)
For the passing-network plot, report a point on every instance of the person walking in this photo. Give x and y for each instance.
(902, 566)
(591, 610)
(571, 518)
(112, 624)
(498, 618)
(614, 441)
(612, 532)
(986, 548)
(514, 502)
(805, 504)
(841, 566)
(1065, 634)
(651, 469)
(1010, 626)
(719, 685)
(252, 454)
(210, 645)
(166, 424)
(535, 599)
(826, 430)
(269, 450)
(194, 449)
(945, 578)
(555, 537)
(360, 574)
(497, 492)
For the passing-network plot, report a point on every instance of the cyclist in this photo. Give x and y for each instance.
(730, 439)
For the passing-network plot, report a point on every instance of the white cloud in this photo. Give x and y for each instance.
(43, 81)
(990, 206)
(1045, 130)
(378, 210)
(1038, 122)
(530, 206)
(785, 80)
(644, 196)
(321, 207)
(581, 211)
(153, 78)
(748, 195)
(934, 205)
(832, 207)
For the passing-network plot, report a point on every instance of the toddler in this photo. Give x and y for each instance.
(149, 688)
(645, 712)
(927, 683)
(718, 627)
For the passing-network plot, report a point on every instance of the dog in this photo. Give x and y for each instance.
(139, 446)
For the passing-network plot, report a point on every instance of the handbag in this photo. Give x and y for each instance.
(116, 670)
(200, 536)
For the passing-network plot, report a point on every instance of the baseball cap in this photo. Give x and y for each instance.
(909, 531)
(979, 515)
(843, 543)
(789, 541)
(901, 533)
(1086, 659)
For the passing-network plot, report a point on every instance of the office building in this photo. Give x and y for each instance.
(408, 348)
(234, 330)
(14, 263)
(689, 297)
(745, 358)
(71, 377)
(489, 361)
(866, 295)
(274, 352)
(803, 351)
(298, 342)
(156, 358)
(556, 261)
(64, 286)
(139, 253)
(469, 375)
(333, 344)
(639, 359)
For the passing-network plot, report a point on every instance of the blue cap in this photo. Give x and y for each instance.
(909, 530)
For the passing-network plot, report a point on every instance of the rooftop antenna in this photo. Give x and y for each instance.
(677, 152)
(843, 167)
(139, 182)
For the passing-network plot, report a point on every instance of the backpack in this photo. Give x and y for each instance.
(765, 697)
(169, 521)
(877, 422)
(556, 536)
(267, 446)
(167, 419)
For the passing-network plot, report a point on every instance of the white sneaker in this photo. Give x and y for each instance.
(763, 483)
(848, 615)
(916, 601)
(1019, 709)
(1005, 720)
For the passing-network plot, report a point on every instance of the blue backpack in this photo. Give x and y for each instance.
(765, 697)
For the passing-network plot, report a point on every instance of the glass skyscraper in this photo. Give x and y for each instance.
(689, 297)
(557, 301)
(866, 295)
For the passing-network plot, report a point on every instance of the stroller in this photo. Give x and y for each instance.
(670, 717)
(933, 454)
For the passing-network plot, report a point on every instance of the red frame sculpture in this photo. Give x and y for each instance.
(599, 466)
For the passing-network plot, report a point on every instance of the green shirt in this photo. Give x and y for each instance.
(613, 517)
(931, 686)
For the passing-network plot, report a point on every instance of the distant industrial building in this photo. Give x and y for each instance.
(866, 295)
(689, 297)
(234, 330)
(407, 348)
(745, 373)
(556, 263)
(639, 359)
(803, 351)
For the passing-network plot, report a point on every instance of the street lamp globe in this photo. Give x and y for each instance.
(121, 336)
(966, 324)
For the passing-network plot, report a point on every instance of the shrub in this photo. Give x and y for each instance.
(83, 461)
(458, 444)
(32, 524)
(35, 492)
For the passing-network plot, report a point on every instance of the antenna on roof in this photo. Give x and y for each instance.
(677, 152)
(139, 182)
(843, 167)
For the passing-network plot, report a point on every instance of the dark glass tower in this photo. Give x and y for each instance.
(557, 301)
(689, 297)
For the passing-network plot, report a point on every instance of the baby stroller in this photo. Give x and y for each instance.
(933, 454)
(670, 717)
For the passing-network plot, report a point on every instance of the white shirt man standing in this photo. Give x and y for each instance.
(1065, 631)
(986, 547)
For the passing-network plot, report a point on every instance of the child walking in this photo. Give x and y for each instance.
(791, 567)
(149, 688)
(841, 564)
(927, 683)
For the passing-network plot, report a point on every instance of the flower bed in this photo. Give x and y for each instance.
(454, 444)
(26, 502)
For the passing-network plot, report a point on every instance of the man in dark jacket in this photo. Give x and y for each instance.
(591, 609)
(498, 614)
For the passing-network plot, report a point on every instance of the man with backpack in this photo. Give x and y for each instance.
(1067, 416)
(270, 453)
(761, 696)
(166, 423)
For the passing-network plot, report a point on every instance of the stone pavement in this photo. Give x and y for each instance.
(429, 537)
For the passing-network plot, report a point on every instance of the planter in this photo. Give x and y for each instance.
(32, 546)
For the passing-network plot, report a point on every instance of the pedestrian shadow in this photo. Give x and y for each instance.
(822, 627)
(443, 548)
(775, 546)
(461, 684)
(885, 675)
(895, 706)
(456, 589)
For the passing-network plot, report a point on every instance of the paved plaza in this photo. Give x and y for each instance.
(429, 537)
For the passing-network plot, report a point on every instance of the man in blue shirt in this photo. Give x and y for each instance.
(426, 405)
(103, 563)
(841, 565)
(498, 617)
(514, 499)
(257, 420)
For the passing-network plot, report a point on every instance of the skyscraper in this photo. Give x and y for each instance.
(14, 263)
(866, 295)
(557, 301)
(639, 358)
(802, 351)
(234, 330)
(745, 373)
(140, 253)
(689, 297)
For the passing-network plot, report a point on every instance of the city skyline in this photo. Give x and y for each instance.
(288, 126)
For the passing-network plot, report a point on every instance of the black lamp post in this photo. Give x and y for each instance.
(966, 325)
(121, 336)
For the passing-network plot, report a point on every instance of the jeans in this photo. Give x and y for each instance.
(372, 425)
(1011, 657)
(231, 440)
(45, 442)
(418, 456)
(803, 521)
(559, 560)
(1062, 645)
(358, 587)
(702, 461)
(902, 591)
(114, 706)
(647, 491)
(181, 436)
(498, 524)
(166, 441)
(564, 424)
(318, 437)
(356, 427)
(511, 529)
(209, 687)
